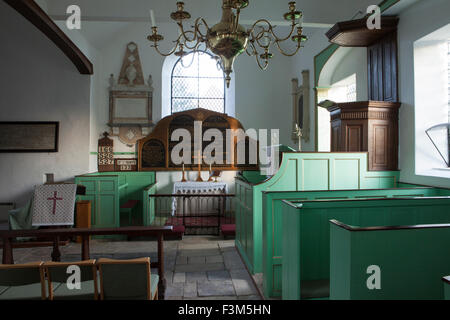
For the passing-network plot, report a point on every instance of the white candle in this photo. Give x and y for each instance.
(301, 21)
(152, 18)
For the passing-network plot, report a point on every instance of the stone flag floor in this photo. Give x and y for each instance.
(196, 268)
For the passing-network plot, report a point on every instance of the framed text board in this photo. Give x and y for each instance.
(29, 137)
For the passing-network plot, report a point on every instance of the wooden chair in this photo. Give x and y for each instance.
(57, 277)
(127, 280)
(22, 282)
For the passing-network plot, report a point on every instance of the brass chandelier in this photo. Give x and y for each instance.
(228, 39)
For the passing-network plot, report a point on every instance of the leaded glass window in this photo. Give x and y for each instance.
(198, 82)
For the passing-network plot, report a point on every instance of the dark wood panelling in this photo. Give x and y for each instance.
(367, 126)
(354, 138)
(382, 69)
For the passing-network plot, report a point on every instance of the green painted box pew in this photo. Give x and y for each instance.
(446, 281)
(298, 172)
(273, 228)
(388, 263)
(109, 190)
(306, 235)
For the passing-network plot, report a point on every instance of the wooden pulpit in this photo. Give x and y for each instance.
(370, 126)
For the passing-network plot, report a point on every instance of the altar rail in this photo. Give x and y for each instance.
(199, 214)
(85, 234)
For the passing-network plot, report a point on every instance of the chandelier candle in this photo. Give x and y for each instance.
(228, 39)
(152, 18)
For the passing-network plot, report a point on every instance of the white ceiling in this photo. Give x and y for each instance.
(102, 19)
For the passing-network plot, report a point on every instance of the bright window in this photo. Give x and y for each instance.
(198, 82)
(341, 91)
(432, 103)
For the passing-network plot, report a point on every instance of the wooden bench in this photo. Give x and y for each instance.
(85, 234)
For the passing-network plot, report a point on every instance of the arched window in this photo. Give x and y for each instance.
(197, 82)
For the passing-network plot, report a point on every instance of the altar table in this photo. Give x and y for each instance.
(196, 205)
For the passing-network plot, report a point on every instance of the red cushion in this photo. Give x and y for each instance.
(129, 204)
(178, 229)
(228, 228)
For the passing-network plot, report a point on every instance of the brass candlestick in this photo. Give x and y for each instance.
(183, 179)
(199, 157)
(210, 174)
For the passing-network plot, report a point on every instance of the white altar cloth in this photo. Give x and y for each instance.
(196, 205)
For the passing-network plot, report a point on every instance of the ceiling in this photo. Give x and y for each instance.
(103, 19)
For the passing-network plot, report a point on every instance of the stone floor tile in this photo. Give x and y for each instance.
(233, 260)
(190, 290)
(222, 275)
(242, 282)
(173, 298)
(174, 290)
(215, 288)
(182, 260)
(251, 297)
(195, 276)
(197, 260)
(199, 267)
(214, 259)
(199, 252)
(179, 277)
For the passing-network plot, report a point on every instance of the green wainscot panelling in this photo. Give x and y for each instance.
(298, 172)
(273, 222)
(109, 190)
(394, 264)
(306, 238)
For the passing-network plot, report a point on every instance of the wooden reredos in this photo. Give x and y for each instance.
(154, 150)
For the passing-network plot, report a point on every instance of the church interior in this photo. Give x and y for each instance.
(225, 150)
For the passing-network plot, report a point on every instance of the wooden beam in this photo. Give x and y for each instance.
(34, 14)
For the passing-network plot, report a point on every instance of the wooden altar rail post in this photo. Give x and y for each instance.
(57, 234)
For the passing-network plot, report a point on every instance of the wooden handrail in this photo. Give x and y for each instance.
(386, 228)
(49, 233)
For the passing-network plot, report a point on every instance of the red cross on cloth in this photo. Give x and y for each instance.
(55, 198)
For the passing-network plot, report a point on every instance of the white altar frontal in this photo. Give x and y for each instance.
(196, 205)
